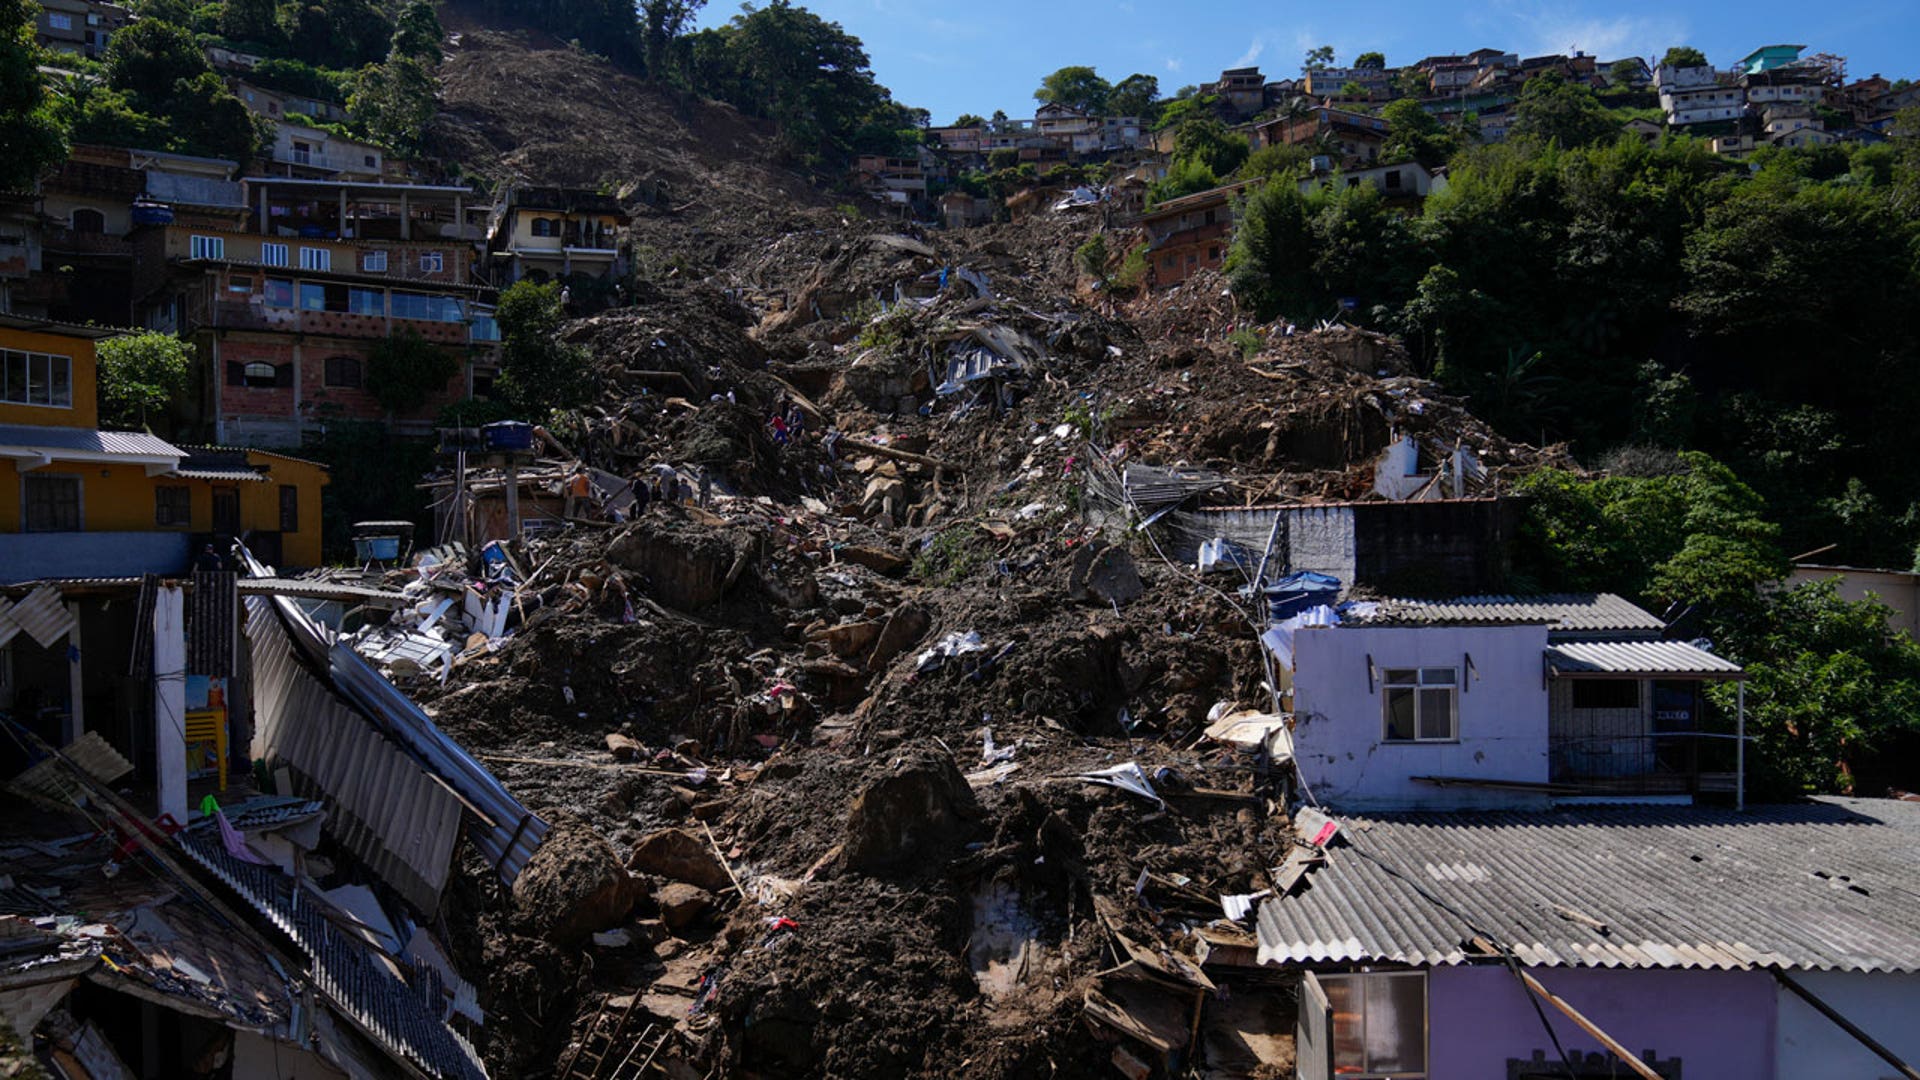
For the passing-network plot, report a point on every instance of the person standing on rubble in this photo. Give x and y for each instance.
(642, 496)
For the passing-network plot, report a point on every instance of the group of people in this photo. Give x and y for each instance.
(651, 485)
(788, 422)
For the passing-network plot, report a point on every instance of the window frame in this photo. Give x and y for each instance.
(249, 380)
(317, 259)
(17, 385)
(433, 262)
(59, 20)
(27, 502)
(273, 253)
(1392, 679)
(373, 262)
(289, 508)
(1360, 981)
(333, 378)
(206, 247)
(163, 512)
(73, 221)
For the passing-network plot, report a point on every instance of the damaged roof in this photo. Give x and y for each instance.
(1573, 659)
(1562, 612)
(1822, 886)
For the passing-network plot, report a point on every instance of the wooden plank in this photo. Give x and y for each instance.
(1613, 1046)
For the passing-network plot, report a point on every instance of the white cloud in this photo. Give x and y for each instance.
(1173, 64)
(1560, 27)
(1254, 49)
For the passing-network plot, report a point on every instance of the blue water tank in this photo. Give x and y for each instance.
(152, 214)
(508, 436)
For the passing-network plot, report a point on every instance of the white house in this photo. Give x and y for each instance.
(1408, 179)
(1497, 701)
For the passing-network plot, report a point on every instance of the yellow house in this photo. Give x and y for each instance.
(76, 501)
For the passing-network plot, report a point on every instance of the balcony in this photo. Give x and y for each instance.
(334, 163)
(31, 556)
(235, 315)
(1682, 763)
(66, 241)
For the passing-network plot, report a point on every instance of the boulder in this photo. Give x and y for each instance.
(682, 905)
(1104, 576)
(573, 885)
(902, 631)
(678, 855)
(921, 806)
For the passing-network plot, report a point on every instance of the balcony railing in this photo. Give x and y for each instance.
(236, 315)
(1681, 763)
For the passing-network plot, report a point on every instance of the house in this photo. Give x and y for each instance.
(1355, 136)
(1639, 78)
(877, 172)
(1498, 701)
(546, 233)
(1190, 234)
(304, 152)
(1074, 129)
(1648, 131)
(1121, 133)
(1451, 77)
(1697, 941)
(78, 27)
(1698, 95)
(1797, 138)
(1732, 146)
(76, 501)
(1244, 90)
(232, 60)
(959, 210)
(1332, 82)
(1407, 180)
(287, 308)
(1768, 58)
(1899, 590)
(277, 105)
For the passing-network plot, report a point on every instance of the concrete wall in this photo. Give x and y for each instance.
(1720, 1024)
(1320, 539)
(30, 556)
(1897, 590)
(1339, 719)
(1810, 1047)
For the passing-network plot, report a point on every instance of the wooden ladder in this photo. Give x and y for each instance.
(602, 1054)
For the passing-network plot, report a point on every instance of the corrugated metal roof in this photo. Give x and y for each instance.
(42, 616)
(237, 475)
(1570, 612)
(1638, 658)
(1827, 885)
(213, 615)
(86, 440)
(352, 976)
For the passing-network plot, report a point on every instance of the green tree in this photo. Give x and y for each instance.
(394, 102)
(1186, 176)
(1412, 82)
(1551, 109)
(1414, 134)
(1267, 266)
(1352, 90)
(1371, 61)
(1076, 86)
(148, 58)
(1134, 95)
(970, 120)
(1623, 73)
(1093, 257)
(251, 21)
(1278, 161)
(31, 135)
(417, 34)
(1208, 142)
(1829, 686)
(406, 370)
(139, 374)
(336, 33)
(1684, 56)
(208, 120)
(662, 25)
(538, 372)
(1318, 59)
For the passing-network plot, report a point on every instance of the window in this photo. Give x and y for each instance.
(372, 162)
(208, 247)
(52, 503)
(273, 254)
(408, 305)
(373, 262)
(59, 21)
(277, 292)
(540, 227)
(173, 507)
(289, 508)
(343, 371)
(1606, 693)
(87, 220)
(1420, 705)
(259, 376)
(240, 283)
(36, 379)
(316, 259)
(432, 262)
(1393, 180)
(302, 153)
(366, 301)
(1379, 1023)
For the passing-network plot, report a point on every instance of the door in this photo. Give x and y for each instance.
(1313, 1032)
(226, 512)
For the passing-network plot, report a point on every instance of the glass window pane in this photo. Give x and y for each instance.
(367, 302)
(1349, 1045)
(62, 381)
(1396, 1020)
(313, 297)
(1400, 676)
(1400, 714)
(278, 292)
(1437, 676)
(13, 376)
(37, 383)
(1436, 714)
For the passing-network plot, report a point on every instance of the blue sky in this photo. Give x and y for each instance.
(954, 56)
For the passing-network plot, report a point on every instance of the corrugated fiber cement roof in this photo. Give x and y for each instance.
(1829, 885)
(1567, 612)
(1668, 658)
